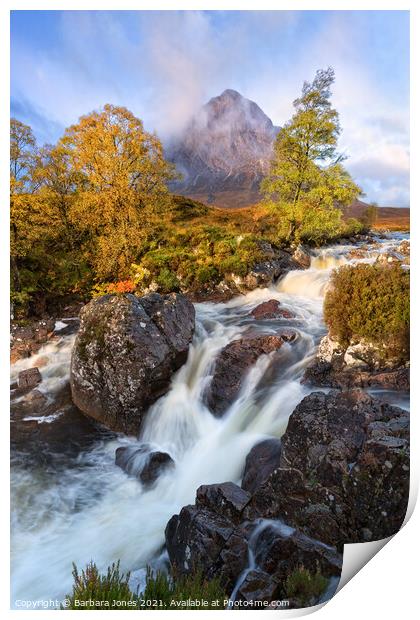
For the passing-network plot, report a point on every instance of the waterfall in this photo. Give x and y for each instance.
(86, 508)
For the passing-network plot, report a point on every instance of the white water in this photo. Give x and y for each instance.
(92, 510)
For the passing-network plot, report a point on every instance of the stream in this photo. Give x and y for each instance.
(71, 503)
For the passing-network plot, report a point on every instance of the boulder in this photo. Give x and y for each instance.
(143, 462)
(231, 367)
(28, 379)
(260, 463)
(195, 538)
(270, 310)
(343, 469)
(125, 354)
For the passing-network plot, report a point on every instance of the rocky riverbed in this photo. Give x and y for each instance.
(209, 443)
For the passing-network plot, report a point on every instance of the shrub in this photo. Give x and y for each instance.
(371, 303)
(162, 591)
(169, 591)
(91, 585)
(304, 586)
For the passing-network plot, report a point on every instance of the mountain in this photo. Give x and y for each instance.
(224, 151)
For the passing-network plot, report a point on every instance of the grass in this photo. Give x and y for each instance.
(92, 590)
(304, 586)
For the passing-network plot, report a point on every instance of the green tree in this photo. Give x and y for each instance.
(370, 216)
(307, 181)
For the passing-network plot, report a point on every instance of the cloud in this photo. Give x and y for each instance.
(165, 65)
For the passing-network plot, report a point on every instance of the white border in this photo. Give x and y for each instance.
(387, 585)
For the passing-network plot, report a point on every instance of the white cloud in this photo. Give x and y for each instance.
(173, 62)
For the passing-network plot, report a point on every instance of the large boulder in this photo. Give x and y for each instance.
(232, 365)
(343, 473)
(125, 354)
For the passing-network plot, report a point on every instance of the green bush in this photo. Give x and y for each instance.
(90, 585)
(162, 591)
(304, 586)
(371, 303)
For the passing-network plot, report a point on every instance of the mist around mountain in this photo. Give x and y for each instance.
(224, 152)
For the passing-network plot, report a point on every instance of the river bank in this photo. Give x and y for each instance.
(69, 496)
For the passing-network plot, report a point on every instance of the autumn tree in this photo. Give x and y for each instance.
(121, 186)
(22, 163)
(307, 181)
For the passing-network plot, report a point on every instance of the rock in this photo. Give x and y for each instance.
(270, 310)
(361, 364)
(29, 378)
(404, 248)
(27, 339)
(260, 463)
(388, 258)
(302, 256)
(125, 354)
(280, 554)
(258, 587)
(231, 367)
(343, 468)
(195, 538)
(268, 271)
(357, 253)
(323, 374)
(225, 499)
(143, 463)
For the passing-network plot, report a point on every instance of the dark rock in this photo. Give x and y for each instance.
(232, 365)
(143, 463)
(125, 354)
(270, 310)
(258, 586)
(226, 499)
(29, 378)
(279, 554)
(327, 374)
(260, 463)
(342, 454)
(195, 539)
(269, 270)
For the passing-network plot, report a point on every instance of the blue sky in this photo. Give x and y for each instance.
(164, 65)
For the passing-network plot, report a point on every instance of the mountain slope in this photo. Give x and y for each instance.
(224, 151)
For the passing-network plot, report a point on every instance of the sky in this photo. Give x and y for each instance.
(163, 65)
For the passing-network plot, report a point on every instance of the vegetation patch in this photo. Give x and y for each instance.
(304, 586)
(92, 590)
(370, 303)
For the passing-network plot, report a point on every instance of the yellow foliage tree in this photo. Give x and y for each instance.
(121, 186)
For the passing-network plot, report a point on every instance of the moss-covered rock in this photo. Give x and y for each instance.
(125, 353)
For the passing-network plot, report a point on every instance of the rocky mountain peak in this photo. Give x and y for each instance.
(225, 149)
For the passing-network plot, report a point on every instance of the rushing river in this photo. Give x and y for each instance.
(77, 505)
